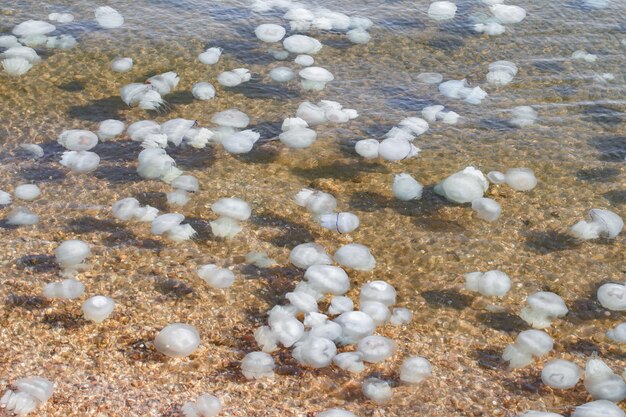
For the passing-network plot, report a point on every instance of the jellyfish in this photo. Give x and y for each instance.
(170, 225)
(340, 304)
(350, 361)
(81, 161)
(234, 78)
(430, 113)
(108, 18)
(464, 186)
(16, 67)
(282, 74)
(501, 73)
(122, 64)
(490, 28)
(155, 163)
(304, 60)
(528, 343)
(29, 394)
(315, 78)
(316, 352)
(406, 188)
(415, 369)
(582, 55)
(430, 78)
(98, 308)
(266, 339)
(600, 408)
(24, 52)
(442, 10)
(602, 223)
(355, 256)
(70, 256)
(232, 211)
(618, 333)
(164, 83)
(27, 192)
(270, 32)
(520, 179)
(308, 254)
(130, 209)
(612, 296)
(176, 129)
(543, 307)
(359, 36)
(109, 129)
(300, 44)
(487, 209)
(560, 374)
(602, 383)
(344, 222)
(210, 56)
(61, 17)
(67, 289)
(335, 412)
(396, 149)
(377, 390)
(177, 340)
(21, 216)
(298, 138)
(77, 140)
(206, 405)
(496, 177)
(355, 326)
(376, 349)
(61, 42)
(400, 316)
(257, 365)
(507, 14)
(5, 198)
(491, 284)
(367, 148)
(523, 116)
(33, 27)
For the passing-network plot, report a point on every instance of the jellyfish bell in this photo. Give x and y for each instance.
(612, 296)
(430, 113)
(442, 10)
(77, 140)
(523, 116)
(301, 44)
(33, 27)
(164, 83)
(270, 32)
(406, 188)
(132, 94)
(487, 209)
(298, 138)
(542, 308)
(281, 74)
(359, 36)
(599, 408)
(210, 56)
(8, 41)
(231, 118)
(24, 52)
(463, 186)
(507, 14)
(233, 78)
(108, 18)
(315, 78)
(109, 129)
(203, 90)
(240, 142)
(176, 129)
(560, 374)
(602, 383)
(122, 64)
(16, 67)
(355, 256)
(396, 149)
(430, 78)
(61, 17)
(304, 60)
(367, 148)
(601, 223)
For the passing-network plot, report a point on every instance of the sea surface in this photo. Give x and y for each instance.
(577, 149)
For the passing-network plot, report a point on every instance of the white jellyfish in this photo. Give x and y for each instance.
(602, 383)
(108, 17)
(122, 64)
(528, 343)
(400, 316)
(16, 66)
(316, 202)
(282, 74)
(98, 308)
(164, 83)
(215, 276)
(170, 225)
(177, 340)
(340, 304)
(350, 361)
(130, 209)
(523, 116)
(415, 369)
(601, 223)
(5, 198)
(234, 78)
(367, 148)
(501, 73)
(155, 163)
(232, 211)
(257, 365)
(487, 209)
(210, 56)
(521, 179)
(70, 256)
(376, 348)
(21, 216)
(618, 333)
(29, 393)
(343, 222)
(77, 140)
(298, 138)
(612, 296)
(206, 405)
(543, 307)
(491, 284)
(68, 289)
(109, 129)
(359, 36)
(397, 149)
(600, 408)
(355, 326)
(406, 188)
(490, 28)
(463, 186)
(507, 14)
(269, 32)
(442, 10)
(315, 78)
(33, 27)
(355, 256)
(316, 352)
(300, 44)
(27, 192)
(560, 374)
(377, 390)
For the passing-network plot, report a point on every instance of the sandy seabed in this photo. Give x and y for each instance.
(423, 248)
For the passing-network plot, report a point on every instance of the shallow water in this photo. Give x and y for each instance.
(577, 150)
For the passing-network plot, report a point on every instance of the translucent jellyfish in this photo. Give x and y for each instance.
(367, 148)
(234, 208)
(21, 216)
(215, 276)
(98, 308)
(177, 340)
(234, 78)
(377, 311)
(24, 52)
(281, 74)
(67, 289)
(491, 284)
(164, 83)
(528, 344)
(8, 41)
(170, 225)
(122, 64)
(430, 113)
(266, 339)
(344, 222)
(396, 149)
(350, 361)
(560, 374)
(300, 44)
(602, 223)
(231, 118)
(257, 365)
(109, 18)
(501, 73)
(16, 67)
(523, 116)
(400, 316)
(80, 162)
(379, 291)
(355, 256)
(360, 22)
(618, 333)
(406, 188)
(543, 307)
(335, 412)
(359, 36)
(155, 163)
(463, 186)
(316, 352)
(339, 304)
(496, 177)
(71, 254)
(205, 405)
(308, 254)
(377, 390)
(77, 140)
(316, 202)
(430, 78)
(602, 383)
(521, 179)
(487, 209)
(61, 17)
(33, 27)
(490, 28)
(210, 56)
(130, 209)
(5, 198)
(355, 325)
(376, 348)
(304, 60)
(270, 32)
(583, 55)
(109, 129)
(29, 393)
(260, 259)
(612, 296)
(415, 369)
(508, 15)
(302, 301)
(442, 10)
(298, 138)
(600, 408)
(61, 42)
(27, 192)
(460, 90)
(315, 78)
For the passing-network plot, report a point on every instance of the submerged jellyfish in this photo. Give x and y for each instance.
(520, 179)
(210, 56)
(600, 408)
(415, 369)
(270, 32)
(164, 83)
(122, 64)
(257, 365)
(155, 163)
(282, 74)
(316, 352)
(612, 296)
(487, 209)
(507, 14)
(601, 223)
(77, 140)
(377, 390)
(406, 188)
(491, 284)
(463, 186)
(491, 28)
(32, 28)
(98, 308)
(528, 343)
(300, 44)
(177, 340)
(298, 137)
(29, 394)
(376, 348)
(315, 78)
(70, 255)
(523, 116)
(344, 222)
(543, 307)
(350, 361)
(232, 211)
(442, 10)
(108, 17)
(560, 374)
(308, 254)
(234, 78)
(215, 276)
(109, 129)
(359, 36)
(170, 225)
(397, 149)
(68, 289)
(27, 192)
(205, 405)
(355, 256)
(21, 216)
(618, 333)
(316, 202)
(129, 208)
(602, 383)
(16, 66)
